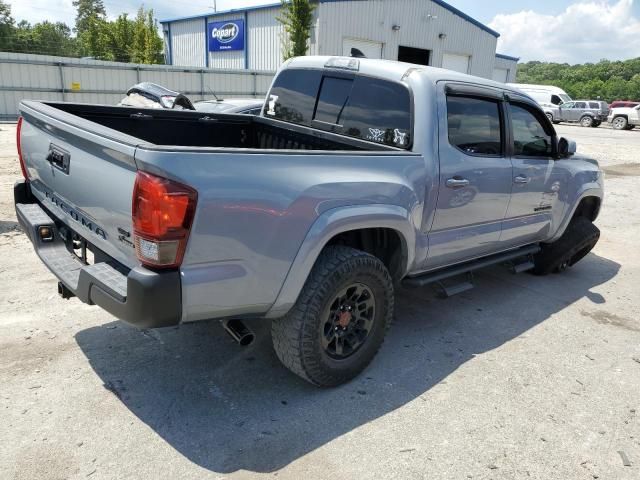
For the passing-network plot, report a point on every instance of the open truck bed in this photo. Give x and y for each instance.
(199, 129)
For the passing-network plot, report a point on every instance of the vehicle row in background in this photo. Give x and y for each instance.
(559, 107)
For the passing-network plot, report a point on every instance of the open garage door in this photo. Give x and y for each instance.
(458, 63)
(368, 48)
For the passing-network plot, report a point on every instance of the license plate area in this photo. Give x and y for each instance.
(77, 245)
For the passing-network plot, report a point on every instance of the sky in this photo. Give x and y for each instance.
(573, 31)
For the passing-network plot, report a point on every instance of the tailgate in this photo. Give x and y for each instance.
(83, 173)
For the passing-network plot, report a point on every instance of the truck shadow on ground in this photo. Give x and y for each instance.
(227, 408)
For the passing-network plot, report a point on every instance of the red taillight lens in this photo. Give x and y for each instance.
(162, 212)
(19, 146)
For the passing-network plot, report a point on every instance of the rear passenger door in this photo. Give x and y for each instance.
(536, 184)
(475, 175)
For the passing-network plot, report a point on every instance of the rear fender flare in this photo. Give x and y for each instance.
(330, 224)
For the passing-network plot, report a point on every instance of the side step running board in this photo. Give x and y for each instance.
(439, 275)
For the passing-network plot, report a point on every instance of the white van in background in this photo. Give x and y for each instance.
(547, 96)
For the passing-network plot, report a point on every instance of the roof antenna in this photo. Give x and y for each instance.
(214, 94)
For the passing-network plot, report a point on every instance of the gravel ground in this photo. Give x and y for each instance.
(522, 377)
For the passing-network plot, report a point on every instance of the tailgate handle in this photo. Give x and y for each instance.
(59, 158)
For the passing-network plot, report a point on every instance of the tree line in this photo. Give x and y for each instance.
(122, 40)
(606, 80)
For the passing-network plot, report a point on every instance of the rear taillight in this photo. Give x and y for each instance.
(162, 212)
(19, 146)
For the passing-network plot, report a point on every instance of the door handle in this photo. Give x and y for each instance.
(457, 182)
(521, 179)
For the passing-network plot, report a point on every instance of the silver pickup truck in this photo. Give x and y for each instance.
(358, 177)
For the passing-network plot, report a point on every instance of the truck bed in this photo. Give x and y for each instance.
(200, 129)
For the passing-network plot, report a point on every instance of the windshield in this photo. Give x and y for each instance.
(565, 98)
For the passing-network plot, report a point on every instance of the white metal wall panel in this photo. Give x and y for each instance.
(419, 23)
(188, 43)
(511, 66)
(38, 77)
(233, 60)
(264, 39)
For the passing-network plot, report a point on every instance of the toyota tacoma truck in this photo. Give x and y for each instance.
(358, 177)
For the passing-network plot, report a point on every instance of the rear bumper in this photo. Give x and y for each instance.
(139, 296)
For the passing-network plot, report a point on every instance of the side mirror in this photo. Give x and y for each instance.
(566, 147)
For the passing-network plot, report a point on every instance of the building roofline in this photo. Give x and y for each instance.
(222, 12)
(507, 57)
(464, 16)
(441, 3)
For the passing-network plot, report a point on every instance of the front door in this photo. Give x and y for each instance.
(475, 176)
(566, 111)
(536, 184)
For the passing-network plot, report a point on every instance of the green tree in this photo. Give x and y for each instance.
(119, 39)
(297, 19)
(7, 26)
(54, 38)
(91, 25)
(147, 45)
(609, 80)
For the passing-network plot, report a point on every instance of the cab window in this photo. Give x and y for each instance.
(474, 125)
(531, 138)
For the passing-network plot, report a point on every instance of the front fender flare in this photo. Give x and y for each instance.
(328, 225)
(594, 191)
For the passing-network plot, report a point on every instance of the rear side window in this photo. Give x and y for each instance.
(379, 111)
(530, 139)
(474, 125)
(595, 105)
(581, 105)
(354, 105)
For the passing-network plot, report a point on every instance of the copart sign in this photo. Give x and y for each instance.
(227, 35)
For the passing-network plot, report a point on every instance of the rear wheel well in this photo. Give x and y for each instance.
(384, 243)
(588, 208)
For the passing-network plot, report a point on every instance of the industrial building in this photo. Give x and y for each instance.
(427, 32)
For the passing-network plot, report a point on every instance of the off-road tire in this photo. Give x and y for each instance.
(578, 239)
(297, 336)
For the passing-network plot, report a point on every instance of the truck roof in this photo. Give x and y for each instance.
(394, 70)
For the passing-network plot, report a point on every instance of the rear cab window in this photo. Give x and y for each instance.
(348, 104)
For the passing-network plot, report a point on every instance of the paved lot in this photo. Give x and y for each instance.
(522, 377)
